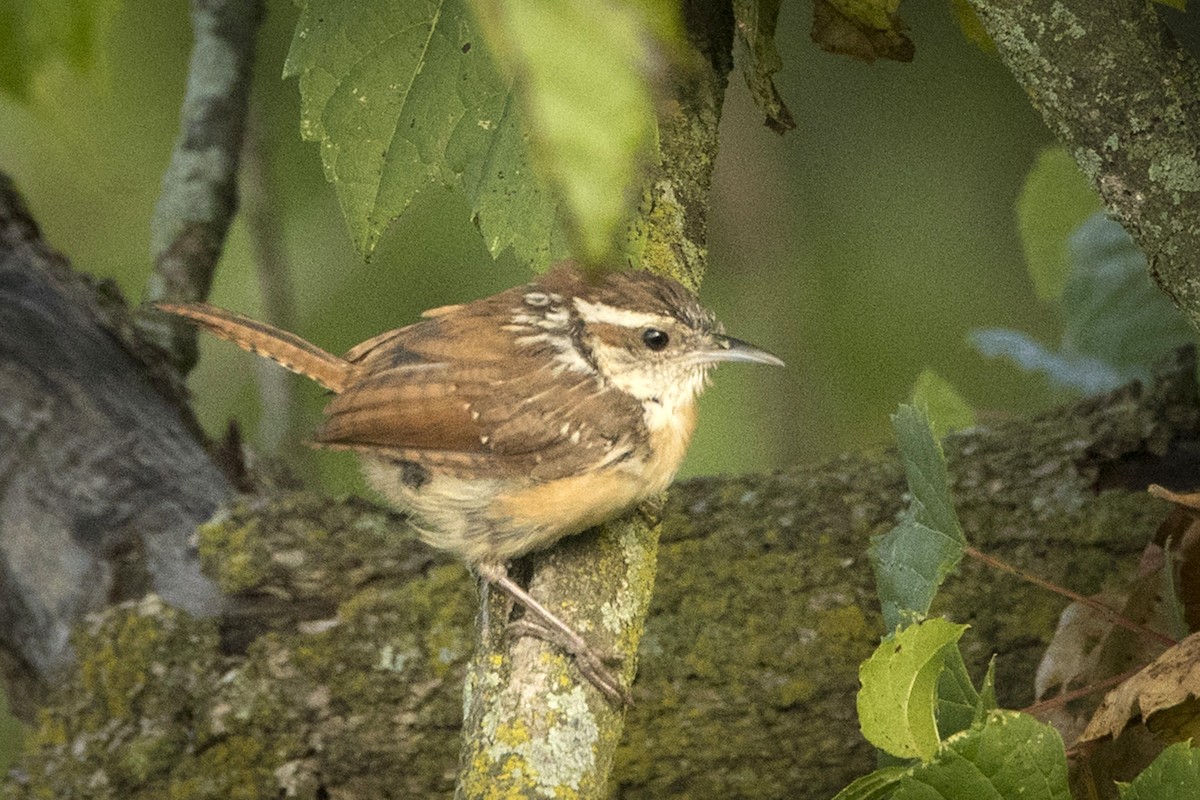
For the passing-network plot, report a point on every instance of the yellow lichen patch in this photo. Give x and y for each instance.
(512, 734)
(225, 551)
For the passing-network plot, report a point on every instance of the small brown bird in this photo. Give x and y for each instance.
(510, 422)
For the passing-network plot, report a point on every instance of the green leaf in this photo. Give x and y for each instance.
(987, 694)
(1011, 755)
(1118, 324)
(946, 408)
(1114, 312)
(401, 95)
(1178, 5)
(1174, 775)
(925, 469)
(37, 33)
(584, 73)
(957, 699)
(1055, 199)
(972, 26)
(959, 704)
(875, 785)
(511, 206)
(899, 685)
(912, 559)
(754, 24)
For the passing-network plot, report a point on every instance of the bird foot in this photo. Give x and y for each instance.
(541, 623)
(592, 665)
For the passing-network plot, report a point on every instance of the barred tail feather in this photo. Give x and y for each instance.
(286, 349)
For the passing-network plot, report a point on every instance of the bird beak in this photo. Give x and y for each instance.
(727, 348)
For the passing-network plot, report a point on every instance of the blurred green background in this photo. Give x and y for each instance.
(861, 247)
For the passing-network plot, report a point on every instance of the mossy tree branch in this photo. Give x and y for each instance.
(341, 675)
(1116, 88)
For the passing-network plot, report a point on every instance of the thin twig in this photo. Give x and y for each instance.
(277, 387)
(1100, 608)
(199, 190)
(1091, 688)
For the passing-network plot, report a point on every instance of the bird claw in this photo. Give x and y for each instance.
(651, 509)
(592, 665)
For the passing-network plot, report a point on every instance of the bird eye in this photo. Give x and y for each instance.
(655, 339)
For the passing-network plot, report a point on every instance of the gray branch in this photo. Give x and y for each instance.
(1116, 88)
(102, 476)
(199, 193)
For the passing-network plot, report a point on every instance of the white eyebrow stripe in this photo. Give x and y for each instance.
(611, 315)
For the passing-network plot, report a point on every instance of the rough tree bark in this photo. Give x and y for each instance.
(1116, 88)
(102, 477)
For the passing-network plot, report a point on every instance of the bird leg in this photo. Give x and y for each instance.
(545, 625)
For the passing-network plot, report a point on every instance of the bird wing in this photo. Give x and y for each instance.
(452, 392)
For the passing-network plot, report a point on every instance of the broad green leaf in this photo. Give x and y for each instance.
(1054, 201)
(511, 206)
(754, 26)
(912, 559)
(899, 686)
(1174, 775)
(925, 469)
(1011, 755)
(875, 785)
(1178, 5)
(1118, 324)
(36, 33)
(946, 408)
(584, 75)
(959, 704)
(401, 94)
(1114, 312)
(910, 562)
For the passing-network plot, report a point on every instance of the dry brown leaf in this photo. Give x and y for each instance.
(1168, 683)
(1189, 500)
(754, 23)
(1070, 660)
(1182, 528)
(1088, 649)
(861, 29)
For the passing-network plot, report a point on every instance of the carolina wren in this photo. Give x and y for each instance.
(509, 422)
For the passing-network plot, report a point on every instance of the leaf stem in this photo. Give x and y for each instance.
(1062, 699)
(1100, 608)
